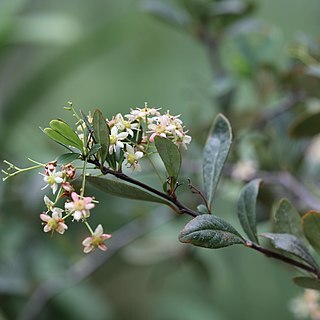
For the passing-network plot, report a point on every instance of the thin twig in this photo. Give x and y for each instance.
(278, 256)
(89, 264)
(120, 175)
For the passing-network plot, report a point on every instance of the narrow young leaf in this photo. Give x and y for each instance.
(57, 137)
(215, 154)
(287, 219)
(307, 283)
(291, 244)
(68, 157)
(123, 190)
(311, 228)
(247, 209)
(170, 156)
(102, 134)
(209, 231)
(67, 132)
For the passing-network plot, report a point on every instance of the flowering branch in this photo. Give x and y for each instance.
(182, 209)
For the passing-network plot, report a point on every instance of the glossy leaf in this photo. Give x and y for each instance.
(306, 125)
(308, 283)
(215, 154)
(287, 219)
(57, 137)
(291, 244)
(209, 231)
(247, 209)
(311, 228)
(67, 132)
(123, 190)
(102, 134)
(68, 157)
(170, 156)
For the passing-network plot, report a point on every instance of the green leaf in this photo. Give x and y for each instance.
(247, 209)
(170, 156)
(95, 148)
(215, 154)
(202, 209)
(67, 132)
(311, 228)
(287, 219)
(102, 134)
(306, 125)
(57, 137)
(68, 157)
(209, 231)
(291, 244)
(308, 283)
(123, 190)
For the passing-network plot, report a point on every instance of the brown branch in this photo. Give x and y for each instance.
(182, 208)
(278, 256)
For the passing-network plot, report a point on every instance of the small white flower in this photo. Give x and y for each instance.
(52, 180)
(132, 158)
(96, 240)
(124, 125)
(141, 114)
(80, 206)
(116, 140)
(54, 222)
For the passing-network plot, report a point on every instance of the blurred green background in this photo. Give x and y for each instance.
(115, 55)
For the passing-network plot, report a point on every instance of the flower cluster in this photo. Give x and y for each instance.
(132, 135)
(105, 144)
(77, 206)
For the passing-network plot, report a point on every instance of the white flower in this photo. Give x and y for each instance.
(96, 240)
(80, 206)
(54, 222)
(124, 125)
(133, 158)
(116, 140)
(141, 114)
(52, 180)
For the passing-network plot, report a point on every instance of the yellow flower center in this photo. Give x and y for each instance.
(53, 224)
(160, 128)
(126, 124)
(96, 241)
(79, 205)
(113, 139)
(131, 158)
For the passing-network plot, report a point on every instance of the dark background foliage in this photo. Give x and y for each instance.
(115, 55)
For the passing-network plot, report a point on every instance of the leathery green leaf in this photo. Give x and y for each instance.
(123, 190)
(287, 219)
(307, 283)
(291, 244)
(215, 154)
(247, 209)
(101, 134)
(67, 132)
(68, 157)
(311, 228)
(210, 231)
(170, 155)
